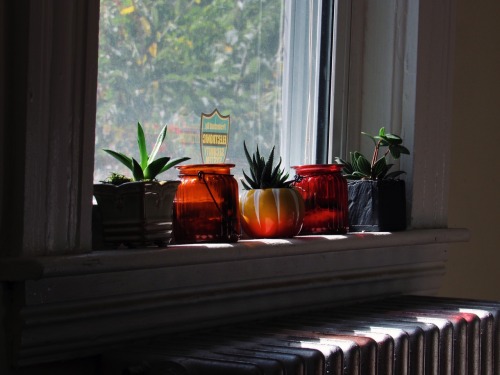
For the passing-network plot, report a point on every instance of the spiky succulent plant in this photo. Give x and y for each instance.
(262, 173)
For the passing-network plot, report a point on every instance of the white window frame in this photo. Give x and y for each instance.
(62, 290)
(300, 83)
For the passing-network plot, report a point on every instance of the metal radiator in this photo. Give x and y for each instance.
(403, 335)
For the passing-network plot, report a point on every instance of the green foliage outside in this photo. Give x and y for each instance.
(164, 62)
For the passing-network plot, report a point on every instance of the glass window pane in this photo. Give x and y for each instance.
(167, 61)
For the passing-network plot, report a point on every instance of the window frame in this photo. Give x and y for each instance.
(52, 101)
(49, 162)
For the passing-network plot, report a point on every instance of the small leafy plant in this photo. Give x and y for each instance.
(148, 168)
(361, 169)
(262, 173)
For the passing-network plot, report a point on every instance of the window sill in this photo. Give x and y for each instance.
(77, 305)
(192, 254)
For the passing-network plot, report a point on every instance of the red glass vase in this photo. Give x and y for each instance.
(206, 205)
(324, 190)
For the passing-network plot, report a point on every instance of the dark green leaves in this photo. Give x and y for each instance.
(262, 173)
(397, 150)
(148, 168)
(359, 166)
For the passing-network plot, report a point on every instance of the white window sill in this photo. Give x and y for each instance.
(81, 304)
(181, 255)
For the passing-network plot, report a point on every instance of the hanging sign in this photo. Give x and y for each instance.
(214, 137)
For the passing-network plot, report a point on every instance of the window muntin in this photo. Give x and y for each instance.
(166, 62)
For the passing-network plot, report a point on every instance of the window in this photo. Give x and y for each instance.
(166, 62)
(57, 142)
(133, 294)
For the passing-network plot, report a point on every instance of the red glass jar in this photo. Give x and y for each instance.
(206, 205)
(324, 190)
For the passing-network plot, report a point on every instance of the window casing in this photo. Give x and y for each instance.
(46, 257)
(57, 140)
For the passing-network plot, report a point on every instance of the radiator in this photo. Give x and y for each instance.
(404, 335)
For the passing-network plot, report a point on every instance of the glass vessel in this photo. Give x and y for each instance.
(206, 205)
(324, 190)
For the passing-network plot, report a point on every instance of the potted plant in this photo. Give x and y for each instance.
(270, 207)
(137, 210)
(376, 197)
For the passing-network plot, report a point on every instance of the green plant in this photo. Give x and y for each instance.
(116, 179)
(361, 169)
(262, 173)
(148, 168)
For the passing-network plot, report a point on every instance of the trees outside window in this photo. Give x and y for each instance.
(166, 62)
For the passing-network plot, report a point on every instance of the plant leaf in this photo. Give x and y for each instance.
(251, 183)
(374, 139)
(267, 171)
(124, 159)
(158, 143)
(403, 150)
(173, 163)
(394, 174)
(393, 139)
(383, 141)
(362, 164)
(395, 151)
(379, 169)
(141, 142)
(137, 171)
(351, 177)
(247, 154)
(245, 186)
(359, 175)
(339, 160)
(154, 168)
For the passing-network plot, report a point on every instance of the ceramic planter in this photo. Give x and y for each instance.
(135, 213)
(272, 213)
(377, 206)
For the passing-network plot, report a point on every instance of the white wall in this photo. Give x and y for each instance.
(474, 202)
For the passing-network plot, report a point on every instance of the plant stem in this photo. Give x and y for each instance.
(375, 153)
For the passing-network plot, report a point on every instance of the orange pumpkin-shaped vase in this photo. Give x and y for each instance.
(270, 207)
(271, 213)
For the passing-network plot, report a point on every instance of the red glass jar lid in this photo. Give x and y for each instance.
(221, 168)
(318, 168)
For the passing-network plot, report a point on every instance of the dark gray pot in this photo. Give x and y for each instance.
(134, 214)
(376, 206)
